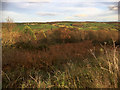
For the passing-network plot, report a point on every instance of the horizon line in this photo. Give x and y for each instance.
(56, 21)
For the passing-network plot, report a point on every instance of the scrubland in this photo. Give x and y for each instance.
(60, 55)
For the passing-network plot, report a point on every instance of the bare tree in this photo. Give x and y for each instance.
(10, 24)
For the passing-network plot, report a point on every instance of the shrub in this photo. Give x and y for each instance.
(28, 31)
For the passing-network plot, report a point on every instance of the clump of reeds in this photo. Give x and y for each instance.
(111, 57)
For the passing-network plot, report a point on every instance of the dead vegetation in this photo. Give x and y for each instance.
(60, 58)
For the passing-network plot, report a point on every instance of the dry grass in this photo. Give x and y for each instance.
(56, 53)
(64, 66)
(60, 58)
(111, 58)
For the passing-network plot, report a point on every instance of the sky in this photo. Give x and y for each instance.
(59, 10)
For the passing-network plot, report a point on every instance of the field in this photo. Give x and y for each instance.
(61, 55)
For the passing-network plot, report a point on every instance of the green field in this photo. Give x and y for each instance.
(80, 26)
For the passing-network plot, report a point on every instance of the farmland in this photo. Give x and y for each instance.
(61, 55)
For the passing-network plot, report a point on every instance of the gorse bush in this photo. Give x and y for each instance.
(28, 31)
(10, 38)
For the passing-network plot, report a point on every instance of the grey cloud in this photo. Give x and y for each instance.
(26, 0)
(113, 8)
(47, 13)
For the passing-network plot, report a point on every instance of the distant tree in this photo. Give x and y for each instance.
(10, 25)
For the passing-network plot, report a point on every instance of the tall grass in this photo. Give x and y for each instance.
(112, 62)
(60, 58)
(93, 72)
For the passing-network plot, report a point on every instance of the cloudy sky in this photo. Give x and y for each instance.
(60, 10)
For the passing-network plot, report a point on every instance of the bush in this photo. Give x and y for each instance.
(29, 32)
